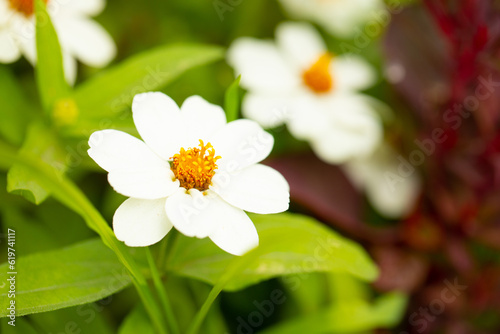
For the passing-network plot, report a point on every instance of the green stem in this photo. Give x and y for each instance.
(166, 245)
(237, 264)
(163, 293)
(69, 194)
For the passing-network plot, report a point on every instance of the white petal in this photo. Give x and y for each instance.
(193, 213)
(9, 51)
(377, 174)
(25, 30)
(85, 8)
(352, 73)
(240, 144)
(70, 68)
(392, 197)
(257, 188)
(140, 222)
(201, 119)
(86, 40)
(262, 67)
(354, 130)
(309, 117)
(158, 120)
(301, 43)
(5, 12)
(269, 111)
(134, 170)
(236, 233)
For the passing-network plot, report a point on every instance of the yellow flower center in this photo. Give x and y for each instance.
(318, 77)
(195, 167)
(24, 7)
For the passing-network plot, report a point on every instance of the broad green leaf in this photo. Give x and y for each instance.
(49, 69)
(42, 143)
(15, 114)
(289, 244)
(347, 317)
(232, 100)
(71, 276)
(137, 321)
(107, 95)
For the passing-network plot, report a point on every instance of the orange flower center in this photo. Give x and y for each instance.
(195, 167)
(318, 77)
(24, 7)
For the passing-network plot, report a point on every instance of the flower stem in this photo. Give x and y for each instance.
(171, 321)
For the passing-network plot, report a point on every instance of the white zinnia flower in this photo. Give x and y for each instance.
(80, 37)
(193, 171)
(339, 17)
(391, 194)
(298, 82)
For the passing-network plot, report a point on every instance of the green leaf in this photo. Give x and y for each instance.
(76, 275)
(105, 96)
(289, 244)
(49, 69)
(15, 114)
(137, 321)
(347, 317)
(42, 143)
(87, 318)
(232, 100)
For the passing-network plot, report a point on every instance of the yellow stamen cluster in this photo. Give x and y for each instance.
(318, 77)
(195, 167)
(24, 7)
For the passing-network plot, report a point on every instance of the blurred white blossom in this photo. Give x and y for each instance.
(298, 82)
(80, 37)
(339, 17)
(377, 175)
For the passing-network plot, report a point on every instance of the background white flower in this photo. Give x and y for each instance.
(339, 17)
(80, 37)
(391, 194)
(298, 82)
(176, 178)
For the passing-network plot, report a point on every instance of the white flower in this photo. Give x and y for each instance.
(80, 37)
(339, 17)
(392, 194)
(298, 82)
(192, 171)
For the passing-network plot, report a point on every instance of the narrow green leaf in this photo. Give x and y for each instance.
(49, 69)
(76, 275)
(348, 317)
(108, 94)
(289, 244)
(42, 143)
(232, 100)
